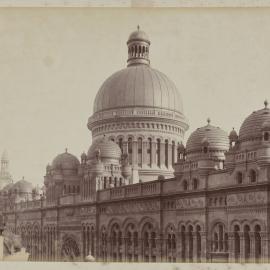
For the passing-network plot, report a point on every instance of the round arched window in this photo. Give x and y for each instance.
(239, 178)
(266, 136)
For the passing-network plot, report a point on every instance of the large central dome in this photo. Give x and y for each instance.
(138, 86)
(141, 110)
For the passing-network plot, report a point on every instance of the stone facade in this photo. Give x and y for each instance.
(139, 194)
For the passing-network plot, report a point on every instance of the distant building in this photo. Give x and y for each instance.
(5, 176)
(140, 194)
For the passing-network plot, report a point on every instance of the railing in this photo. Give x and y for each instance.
(135, 190)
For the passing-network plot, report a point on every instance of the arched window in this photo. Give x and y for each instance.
(149, 152)
(199, 242)
(205, 149)
(258, 244)
(166, 153)
(195, 183)
(130, 150)
(247, 243)
(158, 152)
(190, 244)
(185, 185)
(140, 152)
(236, 243)
(183, 243)
(252, 176)
(239, 178)
(266, 136)
(120, 143)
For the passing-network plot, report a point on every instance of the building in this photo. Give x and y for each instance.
(139, 194)
(5, 176)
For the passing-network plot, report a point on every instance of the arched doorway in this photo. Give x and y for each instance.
(70, 251)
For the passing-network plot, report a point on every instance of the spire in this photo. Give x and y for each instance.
(266, 104)
(208, 121)
(138, 48)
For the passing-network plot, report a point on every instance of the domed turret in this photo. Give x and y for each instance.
(105, 149)
(252, 130)
(65, 161)
(22, 187)
(208, 139)
(126, 168)
(138, 48)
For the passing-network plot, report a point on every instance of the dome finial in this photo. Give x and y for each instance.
(138, 48)
(208, 121)
(266, 104)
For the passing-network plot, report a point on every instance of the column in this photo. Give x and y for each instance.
(144, 154)
(154, 154)
(134, 154)
(162, 155)
(264, 243)
(125, 147)
(242, 247)
(231, 247)
(203, 247)
(170, 167)
(252, 247)
(195, 248)
(179, 247)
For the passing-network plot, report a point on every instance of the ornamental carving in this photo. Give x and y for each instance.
(246, 198)
(187, 203)
(88, 211)
(133, 207)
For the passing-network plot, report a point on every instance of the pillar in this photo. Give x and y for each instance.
(195, 248)
(203, 247)
(252, 247)
(162, 155)
(154, 154)
(242, 247)
(144, 154)
(134, 154)
(231, 247)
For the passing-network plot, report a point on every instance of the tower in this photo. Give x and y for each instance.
(5, 177)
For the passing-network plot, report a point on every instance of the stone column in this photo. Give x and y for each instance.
(264, 243)
(242, 247)
(252, 247)
(134, 154)
(231, 247)
(195, 247)
(170, 167)
(144, 154)
(154, 154)
(203, 247)
(162, 155)
(179, 247)
(125, 147)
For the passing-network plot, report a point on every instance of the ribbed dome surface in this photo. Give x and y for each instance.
(253, 124)
(65, 161)
(107, 148)
(138, 35)
(138, 86)
(22, 186)
(215, 136)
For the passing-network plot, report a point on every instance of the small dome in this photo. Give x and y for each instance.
(233, 135)
(254, 124)
(22, 186)
(83, 155)
(215, 137)
(65, 161)
(138, 35)
(104, 148)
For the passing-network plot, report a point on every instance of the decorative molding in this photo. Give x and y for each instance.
(188, 203)
(246, 198)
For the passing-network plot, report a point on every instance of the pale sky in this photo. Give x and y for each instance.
(53, 61)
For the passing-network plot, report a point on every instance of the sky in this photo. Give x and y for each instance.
(53, 61)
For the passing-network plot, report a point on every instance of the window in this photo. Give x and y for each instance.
(266, 136)
(149, 152)
(195, 183)
(252, 176)
(239, 178)
(120, 143)
(166, 153)
(158, 152)
(173, 152)
(130, 150)
(185, 185)
(205, 149)
(140, 152)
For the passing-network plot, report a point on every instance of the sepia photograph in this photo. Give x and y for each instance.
(135, 135)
